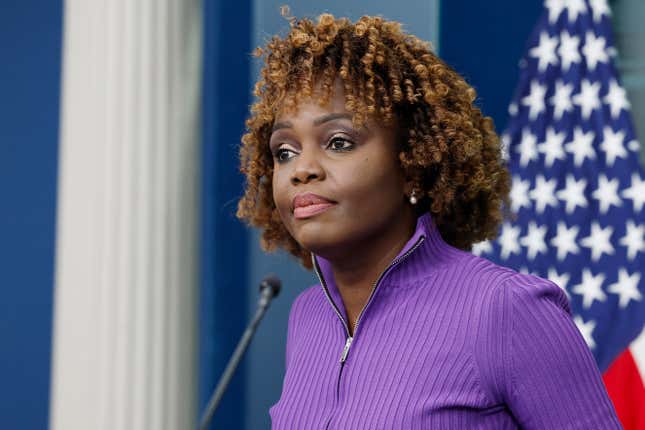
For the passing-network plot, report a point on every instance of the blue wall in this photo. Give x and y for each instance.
(484, 41)
(224, 252)
(30, 58)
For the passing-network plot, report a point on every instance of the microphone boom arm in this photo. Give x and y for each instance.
(269, 288)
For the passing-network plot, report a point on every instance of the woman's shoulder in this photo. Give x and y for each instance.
(493, 296)
(312, 292)
(526, 291)
(503, 283)
(307, 298)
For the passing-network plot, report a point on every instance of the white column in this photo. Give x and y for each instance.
(125, 318)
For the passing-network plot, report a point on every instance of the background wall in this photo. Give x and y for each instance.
(224, 273)
(484, 41)
(30, 49)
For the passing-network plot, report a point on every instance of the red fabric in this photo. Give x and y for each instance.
(625, 388)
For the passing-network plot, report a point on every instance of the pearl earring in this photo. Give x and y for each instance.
(413, 197)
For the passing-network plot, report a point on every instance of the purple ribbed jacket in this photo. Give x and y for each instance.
(447, 340)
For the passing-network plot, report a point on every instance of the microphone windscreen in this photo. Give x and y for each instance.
(273, 282)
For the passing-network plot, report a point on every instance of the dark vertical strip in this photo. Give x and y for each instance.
(227, 31)
(484, 42)
(627, 20)
(30, 54)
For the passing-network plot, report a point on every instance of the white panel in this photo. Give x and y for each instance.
(124, 354)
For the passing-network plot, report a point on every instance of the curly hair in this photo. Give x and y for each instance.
(447, 149)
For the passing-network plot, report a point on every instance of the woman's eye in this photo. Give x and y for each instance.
(283, 154)
(341, 144)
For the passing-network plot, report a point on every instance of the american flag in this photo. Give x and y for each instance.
(578, 188)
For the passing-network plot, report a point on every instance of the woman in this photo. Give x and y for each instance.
(366, 158)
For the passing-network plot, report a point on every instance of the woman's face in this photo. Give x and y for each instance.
(335, 187)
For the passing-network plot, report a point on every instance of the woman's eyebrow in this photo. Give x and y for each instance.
(331, 117)
(320, 120)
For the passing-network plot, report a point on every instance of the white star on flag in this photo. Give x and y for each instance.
(633, 239)
(636, 193)
(607, 193)
(565, 240)
(535, 100)
(587, 98)
(590, 288)
(569, 50)
(561, 99)
(586, 330)
(534, 240)
(595, 50)
(616, 98)
(626, 287)
(555, 8)
(482, 248)
(599, 8)
(520, 194)
(544, 193)
(545, 52)
(575, 8)
(612, 144)
(581, 146)
(527, 148)
(508, 240)
(552, 146)
(599, 241)
(573, 193)
(560, 280)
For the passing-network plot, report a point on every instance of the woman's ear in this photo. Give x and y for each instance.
(410, 188)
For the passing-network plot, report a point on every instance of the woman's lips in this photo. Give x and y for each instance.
(311, 210)
(310, 204)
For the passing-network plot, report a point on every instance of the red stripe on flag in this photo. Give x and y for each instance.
(625, 388)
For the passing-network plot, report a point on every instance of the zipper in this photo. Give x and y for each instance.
(383, 273)
(350, 339)
(348, 342)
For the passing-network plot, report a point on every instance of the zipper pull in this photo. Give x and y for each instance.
(346, 349)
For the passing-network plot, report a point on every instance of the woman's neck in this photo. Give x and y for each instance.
(356, 270)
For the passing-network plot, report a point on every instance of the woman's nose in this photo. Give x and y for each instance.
(307, 168)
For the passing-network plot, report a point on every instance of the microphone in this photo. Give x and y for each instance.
(269, 288)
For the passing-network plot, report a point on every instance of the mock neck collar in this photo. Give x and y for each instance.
(419, 258)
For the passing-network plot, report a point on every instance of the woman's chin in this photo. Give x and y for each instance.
(317, 245)
(316, 240)
(327, 246)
